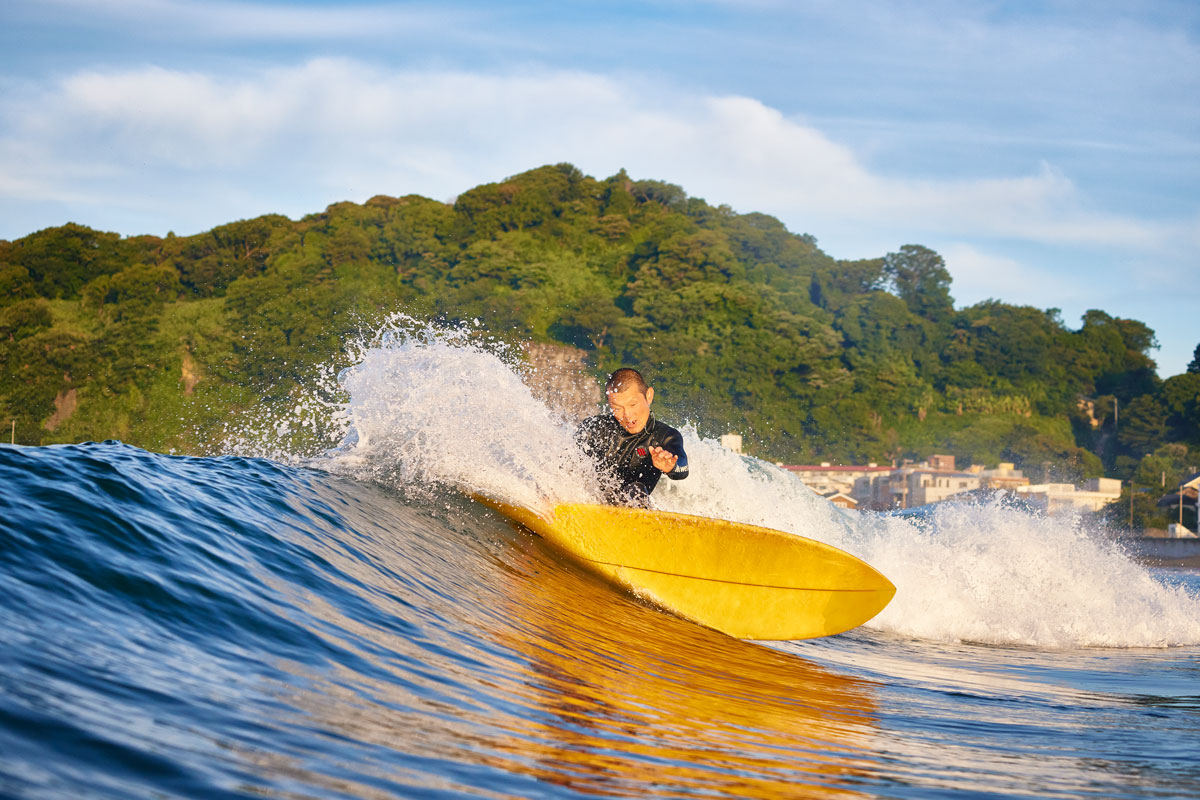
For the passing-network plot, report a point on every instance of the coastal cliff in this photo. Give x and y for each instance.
(562, 377)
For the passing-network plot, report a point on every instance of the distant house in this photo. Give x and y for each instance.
(930, 481)
(841, 499)
(1065, 498)
(732, 441)
(825, 477)
(910, 485)
(1004, 476)
(1187, 494)
(879, 488)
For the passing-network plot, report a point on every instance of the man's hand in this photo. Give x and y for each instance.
(664, 460)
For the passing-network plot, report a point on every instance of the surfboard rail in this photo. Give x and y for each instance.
(744, 580)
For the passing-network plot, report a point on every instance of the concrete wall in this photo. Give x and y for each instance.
(1165, 552)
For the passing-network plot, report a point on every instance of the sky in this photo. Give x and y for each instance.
(1050, 151)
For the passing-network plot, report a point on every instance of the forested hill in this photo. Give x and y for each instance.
(743, 325)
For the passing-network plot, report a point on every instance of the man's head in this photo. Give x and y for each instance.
(629, 398)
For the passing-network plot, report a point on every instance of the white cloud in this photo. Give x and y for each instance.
(227, 20)
(981, 274)
(334, 129)
(153, 149)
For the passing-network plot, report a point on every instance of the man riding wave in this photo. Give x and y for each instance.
(631, 449)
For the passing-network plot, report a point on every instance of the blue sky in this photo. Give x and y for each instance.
(1049, 151)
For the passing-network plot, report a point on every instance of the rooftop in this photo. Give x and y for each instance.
(835, 468)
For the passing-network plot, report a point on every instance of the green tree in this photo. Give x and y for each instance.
(15, 283)
(1019, 347)
(666, 194)
(37, 369)
(208, 262)
(534, 199)
(291, 319)
(1115, 352)
(1180, 395)
(745, 325)
(1136, 510)
(24, 319)
(136, 292)
(416, 241)
(59, 261)
(919, 277)
(1143, 425)
(838, 286)
(1167, 467)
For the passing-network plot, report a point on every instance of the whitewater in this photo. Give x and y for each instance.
(340, 620)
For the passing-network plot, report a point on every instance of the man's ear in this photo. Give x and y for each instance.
(649, 395)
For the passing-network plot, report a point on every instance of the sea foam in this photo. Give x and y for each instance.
(428, 409)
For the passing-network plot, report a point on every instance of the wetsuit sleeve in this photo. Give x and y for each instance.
(673, 443)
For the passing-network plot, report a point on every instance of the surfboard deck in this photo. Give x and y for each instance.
(743, 580)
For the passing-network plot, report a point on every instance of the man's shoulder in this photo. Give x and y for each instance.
(598, 421)
(598, 425)
(662, 430)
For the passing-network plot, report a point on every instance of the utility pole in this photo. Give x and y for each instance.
(13, 440)
(1131, 506)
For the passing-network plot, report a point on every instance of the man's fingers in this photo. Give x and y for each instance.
(664, 460)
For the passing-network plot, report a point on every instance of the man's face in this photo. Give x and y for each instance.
(631, 408)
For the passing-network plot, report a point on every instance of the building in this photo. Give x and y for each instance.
(825, 477)
(1065, 498)
(880, 488)
(911, 485)
(840, 499)
(931, 481)
(1004, 476)
(732, 441)
(1185, 495)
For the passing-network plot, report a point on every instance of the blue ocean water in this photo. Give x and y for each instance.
(354, 627)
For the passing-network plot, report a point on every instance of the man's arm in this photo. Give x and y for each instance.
(670, 457)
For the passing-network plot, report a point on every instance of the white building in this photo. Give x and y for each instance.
(1065, 498)
(912, 485)
(915, 485)
(824, 478)
(1004, 476)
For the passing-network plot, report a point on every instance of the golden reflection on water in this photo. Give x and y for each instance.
(640, 702)
(537, 670)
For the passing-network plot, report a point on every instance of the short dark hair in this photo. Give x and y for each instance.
(623, 380)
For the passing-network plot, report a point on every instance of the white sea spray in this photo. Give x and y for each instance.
(428, 409)
(435, 407)
(991, 573)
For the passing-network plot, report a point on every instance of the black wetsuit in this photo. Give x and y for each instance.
(627, 473)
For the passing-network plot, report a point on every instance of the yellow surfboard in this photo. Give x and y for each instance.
(743, 580)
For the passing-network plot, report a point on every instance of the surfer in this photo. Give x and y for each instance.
(631, 448)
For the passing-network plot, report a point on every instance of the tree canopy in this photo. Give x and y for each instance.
(744, 325)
